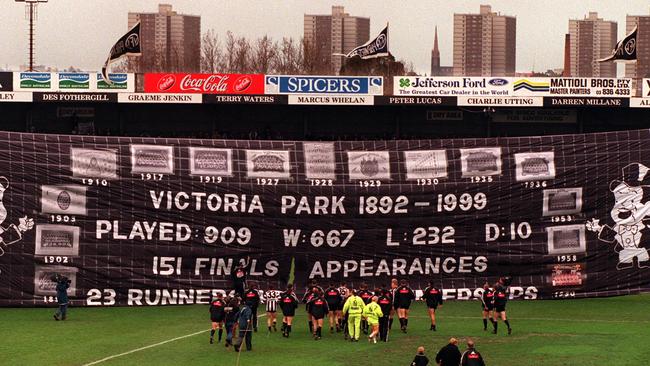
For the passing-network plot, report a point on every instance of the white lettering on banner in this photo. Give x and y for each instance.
(228, 202)
(399, 266)
(321, 205)
(144, 230)
(325, 85)
(208, 83)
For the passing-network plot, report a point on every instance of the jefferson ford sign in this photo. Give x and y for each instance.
(290, 84)
(452, 86)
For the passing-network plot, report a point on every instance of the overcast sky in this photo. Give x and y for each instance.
(80, 32)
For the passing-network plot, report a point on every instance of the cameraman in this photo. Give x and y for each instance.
(62, 285)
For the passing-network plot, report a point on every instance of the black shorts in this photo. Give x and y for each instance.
(403, 306)
(487, 308)
(500, 308)
(217, 318)
(319, 316)
(332, 306)
(434, 307)
(289, 313)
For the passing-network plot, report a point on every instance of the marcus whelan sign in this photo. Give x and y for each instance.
(287, 84)
(204, 83)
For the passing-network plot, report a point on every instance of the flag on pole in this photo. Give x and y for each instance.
(127, 45)
(625, 50)
(377, 47)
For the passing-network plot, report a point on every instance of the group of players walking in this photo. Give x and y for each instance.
(351, 311)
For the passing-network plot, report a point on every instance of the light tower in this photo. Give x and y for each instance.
(31, 14)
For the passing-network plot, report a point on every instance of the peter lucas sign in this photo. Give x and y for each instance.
(204, 83)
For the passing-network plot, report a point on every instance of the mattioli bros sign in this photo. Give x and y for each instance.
(72, 82)
(332, 85)
(452, 86)
(573, 87)
(204, 83)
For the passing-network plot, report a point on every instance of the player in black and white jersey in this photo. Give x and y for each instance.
(272, 296)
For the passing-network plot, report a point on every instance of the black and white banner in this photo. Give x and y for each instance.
(148, 221)
(376, 47)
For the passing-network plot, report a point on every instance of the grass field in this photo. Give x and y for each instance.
(610, 331)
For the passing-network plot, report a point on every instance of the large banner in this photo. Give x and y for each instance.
(155, 221)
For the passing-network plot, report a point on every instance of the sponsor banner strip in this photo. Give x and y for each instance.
(159, 98)
(501, 101)
(332, 99)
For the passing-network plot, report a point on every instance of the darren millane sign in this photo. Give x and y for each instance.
(180, 214)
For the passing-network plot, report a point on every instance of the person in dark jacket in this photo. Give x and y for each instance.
(245, 324)
(420, 359)
(232, 313)
(449, 355)
(252, 299)
(471, 357)
(239, 278)
(386, 304)
(433, 298)
(62, 285)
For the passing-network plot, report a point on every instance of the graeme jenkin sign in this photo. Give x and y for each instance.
(143, 221)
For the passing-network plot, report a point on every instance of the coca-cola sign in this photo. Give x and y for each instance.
(204, 83)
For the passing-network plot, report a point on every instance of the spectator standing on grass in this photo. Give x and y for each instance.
(245, 323)
(449, 355)
(420, 359)
(232, 313)
(471, 357)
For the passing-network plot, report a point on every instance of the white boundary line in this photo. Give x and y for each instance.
(151, 346)
(143, 348)
(423, 317)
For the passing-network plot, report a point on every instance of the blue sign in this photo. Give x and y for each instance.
(295, 84)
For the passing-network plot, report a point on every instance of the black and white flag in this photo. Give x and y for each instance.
(127, 45)
(377, 47)
(625, 50)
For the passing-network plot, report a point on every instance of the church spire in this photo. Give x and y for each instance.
(435, 42)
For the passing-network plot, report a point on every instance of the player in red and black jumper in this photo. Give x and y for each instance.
(365, 295)
(239, 278)
(433, 298)
(334, 302)
(288, 304)
(394, 284)
(500, 300)
(252, 299)
(312, 288)
(217, 315)
(402, 302)
(487, 300)
(318, 309)
(343, 319)
(386, 304)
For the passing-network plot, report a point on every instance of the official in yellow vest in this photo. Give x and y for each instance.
(354, 307)
(372, 313)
